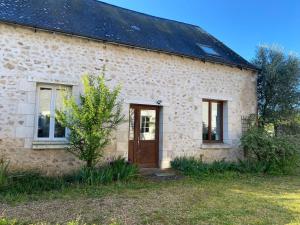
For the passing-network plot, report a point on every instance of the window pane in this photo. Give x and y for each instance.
(216, 119)
(147, 124)
(131, 124)
(205, 121)
(59, 130)
(44, 112)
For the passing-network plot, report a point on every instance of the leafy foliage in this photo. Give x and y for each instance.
(272, 153)
(3, 172)
(195, 167)
(277, 86)
(92, 121)
(116, 170)
(265, 154)
(31, 183)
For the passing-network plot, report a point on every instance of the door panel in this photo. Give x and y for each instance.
(143, 135)
(147, 154)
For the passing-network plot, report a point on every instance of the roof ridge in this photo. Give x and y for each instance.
(145, 14)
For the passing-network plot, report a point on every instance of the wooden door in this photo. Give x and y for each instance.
(144, 135)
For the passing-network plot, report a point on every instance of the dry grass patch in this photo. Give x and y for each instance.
(214, 200)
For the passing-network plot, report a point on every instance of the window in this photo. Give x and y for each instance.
(212, 121)
(131, 123)
(50, 98)
(145, 124)
(208, 49)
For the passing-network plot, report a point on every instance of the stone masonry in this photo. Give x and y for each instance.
(29, 57)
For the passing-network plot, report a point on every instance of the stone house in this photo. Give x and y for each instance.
(184, 92)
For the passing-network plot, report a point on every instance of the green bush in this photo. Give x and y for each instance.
(264, 154)
(34, 183)
(249, 166)
(3, 172)
(195, 167)
(92, 121)
(271, 153)
(116, 170)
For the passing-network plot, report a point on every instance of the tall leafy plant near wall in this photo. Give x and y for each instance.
(278, 88)
(92, 121)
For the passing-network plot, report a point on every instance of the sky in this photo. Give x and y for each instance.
(240, 24)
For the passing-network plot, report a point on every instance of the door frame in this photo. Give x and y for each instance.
(138, 108)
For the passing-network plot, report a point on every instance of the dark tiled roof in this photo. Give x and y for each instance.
(102, 21)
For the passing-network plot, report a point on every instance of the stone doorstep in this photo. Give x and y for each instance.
(159, 173)
(164, 174)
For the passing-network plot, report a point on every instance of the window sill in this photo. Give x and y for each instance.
(216, 146)
(43, 145)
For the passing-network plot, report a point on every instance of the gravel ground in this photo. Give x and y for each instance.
(131, 208)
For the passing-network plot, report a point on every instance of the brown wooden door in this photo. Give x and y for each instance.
(144, 135)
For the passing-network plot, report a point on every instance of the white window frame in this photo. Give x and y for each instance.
(52, 113)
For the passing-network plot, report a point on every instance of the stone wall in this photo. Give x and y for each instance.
(31, 57)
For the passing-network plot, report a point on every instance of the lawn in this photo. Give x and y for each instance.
(219, 199)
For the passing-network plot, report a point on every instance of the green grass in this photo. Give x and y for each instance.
(31, 185)
(228, 198)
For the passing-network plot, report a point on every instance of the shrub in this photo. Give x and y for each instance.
(249, 166)
(195, 167)
(271, 153)
(3, 172)
(34, 183)
(92, 121)
(116, 170)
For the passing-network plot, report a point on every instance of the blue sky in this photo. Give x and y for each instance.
(240, 24)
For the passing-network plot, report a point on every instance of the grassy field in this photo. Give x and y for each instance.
(219, 199)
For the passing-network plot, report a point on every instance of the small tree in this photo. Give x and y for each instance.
(92, 121)
(278, 88)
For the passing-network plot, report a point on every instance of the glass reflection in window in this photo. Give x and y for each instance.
(131, 124)
(212, 120)
(50, 99)
(216, 121)
(147, 124)
(44, 112)
(205, 120)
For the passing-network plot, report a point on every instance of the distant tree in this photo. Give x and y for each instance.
(92, 121)
(278, 86)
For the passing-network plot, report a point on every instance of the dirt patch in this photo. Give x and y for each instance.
(130, 208)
